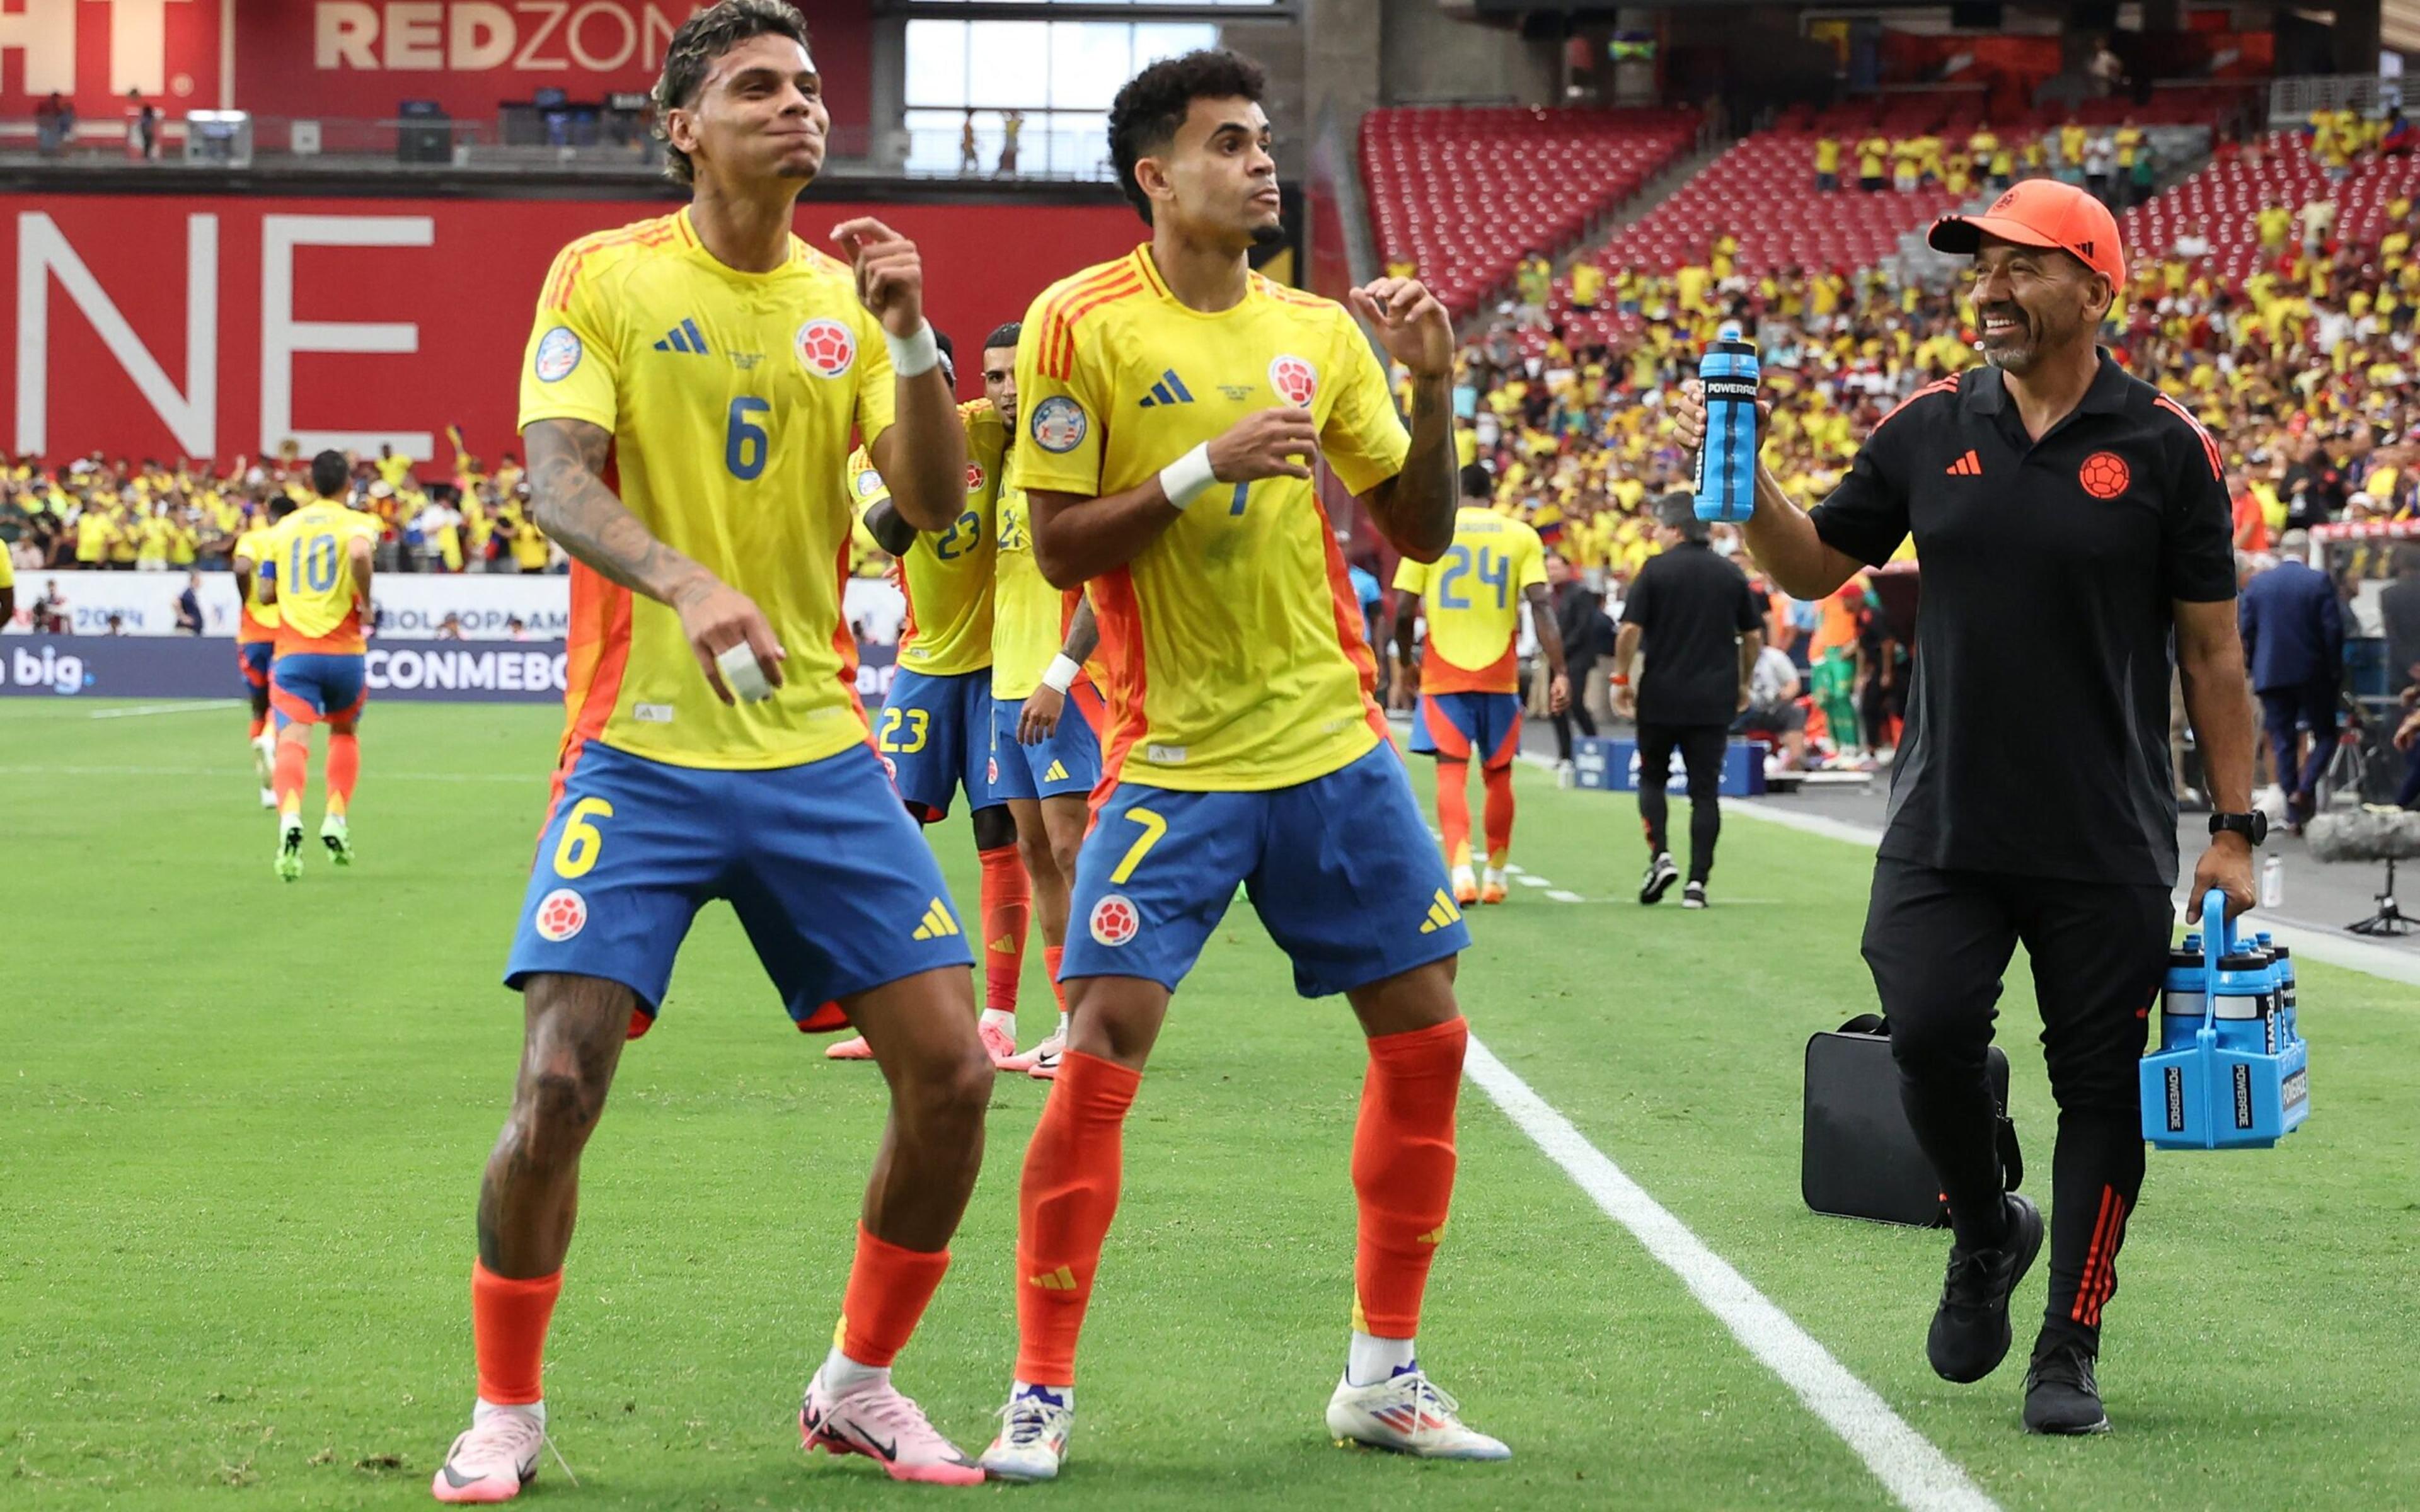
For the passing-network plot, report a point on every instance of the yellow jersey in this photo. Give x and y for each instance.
(310, 552)
(1029, 618)
(258, 621)
(731, 397)
(94, 535)
(946, 579)
(8, 569)
(1232, 643)
(1472, 600)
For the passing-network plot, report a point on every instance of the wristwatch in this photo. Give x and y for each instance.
(2253, 827)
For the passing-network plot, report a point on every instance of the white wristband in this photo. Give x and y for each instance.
(741, 675)
(913, 356)
(1062, 673)
(1189, 477)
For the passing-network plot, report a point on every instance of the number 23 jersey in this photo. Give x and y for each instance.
(732, 398)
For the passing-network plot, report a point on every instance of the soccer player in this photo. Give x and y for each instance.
(316, 572)
(934, 732)
(1470, 678)
(1172, 403)
(715, 747)
(1046, 743)
(255, 641)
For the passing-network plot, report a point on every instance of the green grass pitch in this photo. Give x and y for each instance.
(243, 1125)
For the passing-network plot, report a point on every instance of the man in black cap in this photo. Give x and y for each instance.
(2073, 523)
(1703, 633)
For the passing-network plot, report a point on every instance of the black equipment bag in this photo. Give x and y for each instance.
(1860, 1158)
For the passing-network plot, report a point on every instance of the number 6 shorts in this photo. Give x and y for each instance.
(1340, 869)
(832, 880)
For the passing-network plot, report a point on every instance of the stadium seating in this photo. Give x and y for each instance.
(2224, 193)
(1461, 193)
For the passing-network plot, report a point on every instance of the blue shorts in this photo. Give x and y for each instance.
(1455, 726)
(253, 656)
(311, 688)
(836, 889)
(1340, 869)
(936, 737)
(1067, 763)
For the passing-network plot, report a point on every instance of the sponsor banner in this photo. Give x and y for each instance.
(440, 672)
(410, 606)
(1612, 766)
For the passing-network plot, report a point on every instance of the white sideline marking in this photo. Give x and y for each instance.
(1918, 1475)
(1561, 897)
(184, 706)
(532, 782)
(1528, 880)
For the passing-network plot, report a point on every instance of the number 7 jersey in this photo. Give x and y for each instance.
(1471, 597)
(1232, 643)
(732, 399)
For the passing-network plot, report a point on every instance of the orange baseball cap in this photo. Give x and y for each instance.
(2040, 212)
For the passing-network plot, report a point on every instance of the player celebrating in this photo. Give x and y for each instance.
(715, 747)
(936, 727)
(255, 641)
(1243, 745)
(317, 574)
(1045, 744)
(1470, 678)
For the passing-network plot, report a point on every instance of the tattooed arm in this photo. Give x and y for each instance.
(1414, 509)
(572, 503)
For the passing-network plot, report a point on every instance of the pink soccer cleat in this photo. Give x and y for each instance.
(1001, 1043)
(886, 1427)
(850, 1049)
(493, 1461)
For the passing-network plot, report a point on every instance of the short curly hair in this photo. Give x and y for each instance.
(702, 38)
(1144, 117)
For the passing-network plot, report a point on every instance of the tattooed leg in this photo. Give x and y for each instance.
(574, 1030)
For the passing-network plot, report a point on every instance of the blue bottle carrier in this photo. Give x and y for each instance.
(2232, 1070)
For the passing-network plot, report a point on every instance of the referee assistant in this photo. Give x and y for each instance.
(2072, 524)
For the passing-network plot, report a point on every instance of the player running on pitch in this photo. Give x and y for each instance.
(316, 572)
(715, 747)
(1471, 677)
(255, 641)
(935, 730)
(1045, 709)
(1243, 743)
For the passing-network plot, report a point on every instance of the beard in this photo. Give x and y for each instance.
(1271, 235)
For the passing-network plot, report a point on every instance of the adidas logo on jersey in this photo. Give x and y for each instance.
(1058, 772)
(1169, 390)
(1442, 912)
(1970, 466)
(684, 338)
(938, 923)
(1062, 1279)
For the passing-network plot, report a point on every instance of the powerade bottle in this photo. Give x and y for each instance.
(1727, 461)
(2184, 996)
(2243, 999)
(2283, 1030)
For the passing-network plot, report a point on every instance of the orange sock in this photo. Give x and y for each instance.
(1499, 814)
(1051, 956)
(508, 1323)
(888, 1288)
(293, 765)
(1402, 1172)
(1064, 1208)
(1007, 904)
(345, 769)
(1454, 809)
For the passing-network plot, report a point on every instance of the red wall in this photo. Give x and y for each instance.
(461, 297)
(358, 59)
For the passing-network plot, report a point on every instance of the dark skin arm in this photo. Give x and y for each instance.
(7, 605)
(1414, 509)
(891, 532)
(1076, 539)
(1550, 645)
(570, 502)
(1038, 719)
(1751, 647)
(1407, 683)
(2209, 656)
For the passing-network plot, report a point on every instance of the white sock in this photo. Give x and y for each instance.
(1062, 1026)
(999, 1018)
(1371, 1359)
(1066, 1395)
(482, 1409)
(845, 1376)
(1496, 877)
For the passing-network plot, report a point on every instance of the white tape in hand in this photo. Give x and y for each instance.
(741, 675)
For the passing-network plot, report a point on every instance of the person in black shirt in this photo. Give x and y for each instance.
(1702, 632)
(1579, 616)
(2073, 526)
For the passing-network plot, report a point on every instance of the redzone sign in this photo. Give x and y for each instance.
(596, 37)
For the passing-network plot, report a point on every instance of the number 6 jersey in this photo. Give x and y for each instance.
(732, 399)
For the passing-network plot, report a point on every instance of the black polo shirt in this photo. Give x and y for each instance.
(1691, 608)
(2037, 735)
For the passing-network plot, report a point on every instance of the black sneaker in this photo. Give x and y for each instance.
(2061, 1396)
(1694, 895)
(1970, 1328)
(1661, 874)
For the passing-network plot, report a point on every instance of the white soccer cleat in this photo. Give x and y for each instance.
(1043, 1059)
(1033, 1441)
(1406, 1414)
(886, 1427)
(269, 798)
(493, 1461)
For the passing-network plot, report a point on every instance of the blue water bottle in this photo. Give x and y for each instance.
(1727, 461)
(2184, 996)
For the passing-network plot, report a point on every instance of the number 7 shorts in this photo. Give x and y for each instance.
(832, 880)
(1340, 869)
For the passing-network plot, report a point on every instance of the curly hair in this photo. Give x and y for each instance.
(1144, 117)
(701, 39)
